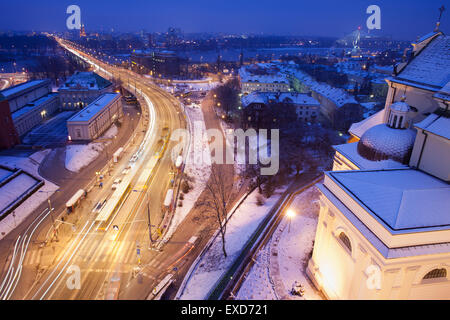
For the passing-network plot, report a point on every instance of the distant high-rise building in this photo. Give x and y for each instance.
(151, 40)
(82, 31)
(159, 63)
(241, 58)
(173, 37)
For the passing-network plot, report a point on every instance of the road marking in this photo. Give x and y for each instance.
(74, 246)
(32, 257)
(91, 250)
(81, 251)
(131, 254)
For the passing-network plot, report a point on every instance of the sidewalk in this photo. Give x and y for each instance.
(198, 171)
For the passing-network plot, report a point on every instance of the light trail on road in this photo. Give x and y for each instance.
(5, 291)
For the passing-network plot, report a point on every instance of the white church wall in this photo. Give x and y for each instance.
(349, 274)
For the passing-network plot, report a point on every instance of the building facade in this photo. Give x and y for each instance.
(158, 63)
(306, 107)
(262, 78)
(384, 223)
(419, 79)
(81, 89)
(33, 113)
(8, 134)
(92, 121)
(23, 107)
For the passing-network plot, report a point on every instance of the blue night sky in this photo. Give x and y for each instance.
(401, 19)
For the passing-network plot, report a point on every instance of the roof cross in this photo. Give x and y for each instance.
(441, 11)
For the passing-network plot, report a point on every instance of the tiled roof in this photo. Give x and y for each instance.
(431, 66)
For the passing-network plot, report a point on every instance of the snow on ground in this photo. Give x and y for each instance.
(238, 168)
(199, 86)
(243, 152)
(240, 227)
(79, 156)
(30, 165)
(198, 170)
(272, 276)
(110, 133)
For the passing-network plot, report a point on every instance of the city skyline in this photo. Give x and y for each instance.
(398, 20)
(200, 151)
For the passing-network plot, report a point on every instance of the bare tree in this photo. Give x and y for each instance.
(219, 197)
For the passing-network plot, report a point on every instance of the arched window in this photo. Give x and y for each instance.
(394, 125)
(400, 123)
(436, 273)
(345, 240)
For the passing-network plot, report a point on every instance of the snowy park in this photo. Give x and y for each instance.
(283, 261)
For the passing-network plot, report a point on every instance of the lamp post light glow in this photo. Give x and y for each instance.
(290, 214)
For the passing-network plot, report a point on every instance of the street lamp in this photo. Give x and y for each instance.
(148, 216)
(50, 205)
(290, 214)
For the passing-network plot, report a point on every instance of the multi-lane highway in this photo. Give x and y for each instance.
(122, 255)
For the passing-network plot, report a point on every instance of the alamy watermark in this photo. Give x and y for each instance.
(73, 282)
(374, 20)
(74, 20)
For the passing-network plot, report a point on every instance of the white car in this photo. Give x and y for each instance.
(116, 183)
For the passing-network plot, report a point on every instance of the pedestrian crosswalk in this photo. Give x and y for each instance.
(105, 252)
(32, 257)
(108, 252)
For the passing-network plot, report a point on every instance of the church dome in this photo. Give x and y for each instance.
(400, 106)
(382, 142)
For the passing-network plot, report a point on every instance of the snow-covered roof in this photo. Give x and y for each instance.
(387, 252)
(254, 97)
(85, 81)
(287, 97)
(9, 92)
(435, 124)
(444, 93)
(262, 73)
(358, 128)
(401, 199)
(94, 107)
(349, 151)
(22, 185)
(339, 96)
(431, 66)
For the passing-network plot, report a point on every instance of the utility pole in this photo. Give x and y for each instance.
(149, 221)
(51, 211)
(148, 216)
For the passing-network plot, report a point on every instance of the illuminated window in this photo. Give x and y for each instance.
(345, 240)
(436, 273)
